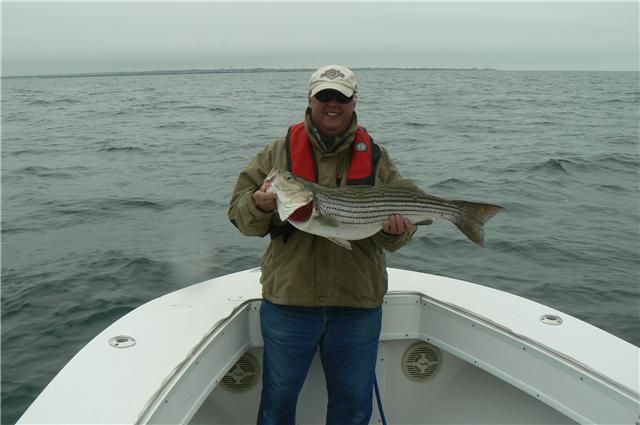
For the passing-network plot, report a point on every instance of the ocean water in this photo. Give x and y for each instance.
(115, 191)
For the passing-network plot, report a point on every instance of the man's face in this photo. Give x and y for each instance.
(330, 116)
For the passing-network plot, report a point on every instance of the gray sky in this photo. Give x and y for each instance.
(79, 37)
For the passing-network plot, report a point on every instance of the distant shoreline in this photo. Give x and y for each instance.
(228, 71)
(261, 70)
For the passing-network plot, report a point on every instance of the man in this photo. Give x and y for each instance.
(317, 294)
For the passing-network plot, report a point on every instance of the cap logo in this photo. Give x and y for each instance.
(332, 74)
(360, 147)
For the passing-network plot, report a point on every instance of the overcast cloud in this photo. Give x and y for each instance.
(54, 38)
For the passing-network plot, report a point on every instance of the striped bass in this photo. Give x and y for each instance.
(357, 212)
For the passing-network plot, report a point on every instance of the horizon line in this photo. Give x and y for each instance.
(230, 69)
(273, 69)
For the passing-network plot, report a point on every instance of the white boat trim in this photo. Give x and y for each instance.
(585, 373)
(524, 338)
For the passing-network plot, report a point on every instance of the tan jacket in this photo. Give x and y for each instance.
(309, 270)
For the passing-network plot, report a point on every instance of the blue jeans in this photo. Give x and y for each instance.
(348, 343)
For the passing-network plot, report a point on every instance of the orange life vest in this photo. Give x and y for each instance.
(364, 154)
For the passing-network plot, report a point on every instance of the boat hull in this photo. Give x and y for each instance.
(502, 359)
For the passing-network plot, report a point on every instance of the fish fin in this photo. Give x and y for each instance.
(327, 220)
(472, 220)
(342, 242)
(403, 183)
(302, 213)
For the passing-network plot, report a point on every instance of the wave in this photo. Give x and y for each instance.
(62, 214)
(626, 162)
(180, 125)
(6, 230)
(631, 99)
(33, 169)
(627, 327)
(451, 183)
(613, 188)
(105, 269)
(139, 203)
(199, 204)
(626, 159)
(82, 293)
(542, 123)
(551, 165)
(94, 313)
(542, 252)
(220, 109)
(45, 102)
(28, 152)
(40, 171)
(121, 149)
(418, 124)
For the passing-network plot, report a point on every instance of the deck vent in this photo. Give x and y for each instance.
(243, 375)
(421, 361)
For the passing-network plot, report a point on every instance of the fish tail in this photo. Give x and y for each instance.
(473, 217)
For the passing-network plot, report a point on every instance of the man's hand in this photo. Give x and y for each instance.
(397, 225)
(265, 201)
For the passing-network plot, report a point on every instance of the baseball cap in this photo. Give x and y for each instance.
(335, 77)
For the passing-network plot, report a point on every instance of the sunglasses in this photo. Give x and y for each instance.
(327, 95)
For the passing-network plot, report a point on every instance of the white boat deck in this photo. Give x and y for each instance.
(186, 341)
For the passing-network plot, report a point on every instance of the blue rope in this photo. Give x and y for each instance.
(378, 399)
